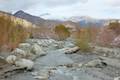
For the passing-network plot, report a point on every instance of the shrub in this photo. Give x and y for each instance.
(115, 26)
(62, 32)
(82, 39)
(11, 34)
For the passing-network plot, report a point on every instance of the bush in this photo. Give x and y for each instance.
(82, 39)
(11, 34)
(62, 32)
(115, 26)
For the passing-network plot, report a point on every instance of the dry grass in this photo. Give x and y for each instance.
(11, 34)
(82, 39)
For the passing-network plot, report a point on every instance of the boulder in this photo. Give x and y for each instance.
(19, 52)
(11, 59)
(71, 50)
(117, 78)
(37, 50)
(25, 63)
(24, 46)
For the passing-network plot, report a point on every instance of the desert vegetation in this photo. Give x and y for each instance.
(61, 32)
(108, 33)
(11, 34)
(84, 36)
(82, 39)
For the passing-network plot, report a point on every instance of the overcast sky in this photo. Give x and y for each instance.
(58, 9)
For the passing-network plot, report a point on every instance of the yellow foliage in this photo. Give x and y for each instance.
(62, 32)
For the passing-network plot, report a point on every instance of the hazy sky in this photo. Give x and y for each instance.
(58, 9)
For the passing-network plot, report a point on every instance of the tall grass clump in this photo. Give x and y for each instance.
(11, 34)
(82, 39)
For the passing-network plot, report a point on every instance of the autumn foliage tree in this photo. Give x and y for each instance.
(62, 32)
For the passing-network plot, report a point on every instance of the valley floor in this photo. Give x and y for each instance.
(57, 65)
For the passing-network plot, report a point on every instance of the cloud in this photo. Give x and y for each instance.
(114, 3)
(13, 5)
(45, 14)
(64, 8)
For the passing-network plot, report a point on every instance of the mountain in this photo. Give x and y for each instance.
(82, 21)
(86, 21)
(16, 20)
(33, 19)
(36, 20)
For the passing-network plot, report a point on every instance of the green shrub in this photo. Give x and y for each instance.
(82, 39)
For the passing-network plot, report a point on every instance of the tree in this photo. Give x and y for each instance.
(62, 32)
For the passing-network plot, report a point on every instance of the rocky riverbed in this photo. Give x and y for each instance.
(52, 63)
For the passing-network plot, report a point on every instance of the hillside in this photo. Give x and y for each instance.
(33, 19)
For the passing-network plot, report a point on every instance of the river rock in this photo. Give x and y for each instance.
(37, 50)
(19, 52)
(24, 45)
(25, 63)
(96, 63)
